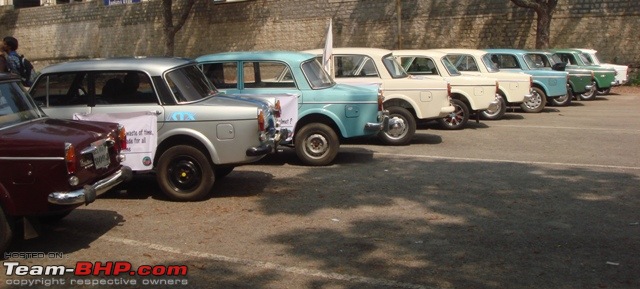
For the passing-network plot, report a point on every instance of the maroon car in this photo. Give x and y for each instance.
(49, 166)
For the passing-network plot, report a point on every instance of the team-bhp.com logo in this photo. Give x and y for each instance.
(84, 268)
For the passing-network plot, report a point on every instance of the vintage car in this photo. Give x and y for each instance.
(201, 134)
(469, 94)
(546, 84)
(514, 88)
(622, 71)
(605, 77)
(326, 111)
(405, 97)
(49, 166)
(581, 82)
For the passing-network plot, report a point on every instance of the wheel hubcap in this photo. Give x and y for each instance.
(316, 145)
(399, 130)
(456, 117)
(184, 174)
(535, 101)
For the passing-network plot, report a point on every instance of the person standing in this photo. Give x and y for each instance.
(11, 57)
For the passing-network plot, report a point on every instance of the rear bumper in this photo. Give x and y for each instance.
(89, 193)
(494, 104)
(268, 146)
(446, 110)
(381, 125)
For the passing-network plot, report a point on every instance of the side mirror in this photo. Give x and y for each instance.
(560, 66)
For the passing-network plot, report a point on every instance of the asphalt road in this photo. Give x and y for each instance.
(548, 200)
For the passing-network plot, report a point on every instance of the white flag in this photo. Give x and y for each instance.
(328, 50)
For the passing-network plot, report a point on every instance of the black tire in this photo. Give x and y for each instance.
(537, 102)
(564, 100)
(185, 174)
(316, 144)
(591, 94)
(400, 137)
(222, 172)
(458, 118)
(6, 232)
(496, 114)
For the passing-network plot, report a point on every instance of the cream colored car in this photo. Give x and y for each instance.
(513, 87)
(469, 94)
(406, 98)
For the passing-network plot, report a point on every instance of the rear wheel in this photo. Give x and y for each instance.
(536, 103)
(401, 135)
(590, 94)
(6, 231)
(563, 100)
(316, 144)
(498, 113)
(185, 174)
(458, 118)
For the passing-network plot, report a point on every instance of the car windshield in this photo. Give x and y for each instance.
(490, 64)
(317, 77)
(394, 68)
(15, 105)
(189, 84)
(453, 71)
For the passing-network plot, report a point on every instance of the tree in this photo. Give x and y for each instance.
(171, 29)
(544, 11)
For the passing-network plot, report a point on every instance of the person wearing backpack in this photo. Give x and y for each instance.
(16, 63)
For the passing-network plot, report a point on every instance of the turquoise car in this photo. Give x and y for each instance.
(547, 84)
(326, 111)
(581, 81)
(605, 77)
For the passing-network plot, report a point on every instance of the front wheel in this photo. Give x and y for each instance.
(400, 135)
(536, 103)
(316, 144)
(185, 174)
(498, 113)
(6, 232)
(458, 118)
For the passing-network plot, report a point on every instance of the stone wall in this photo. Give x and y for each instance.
(90, 29)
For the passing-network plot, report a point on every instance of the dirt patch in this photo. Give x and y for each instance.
(626, 89)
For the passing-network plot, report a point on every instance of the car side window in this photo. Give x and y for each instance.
(464, 63)
(222, 75)
(65, 89)
(506, 61)
(355, 66)
(267, 74)
(568, 58)
(123, 87)
(420, 65)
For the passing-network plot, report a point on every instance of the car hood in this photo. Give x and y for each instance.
(45, 137)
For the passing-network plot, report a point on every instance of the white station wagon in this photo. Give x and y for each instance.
(514, 88)
(469, 94)
(405, 97)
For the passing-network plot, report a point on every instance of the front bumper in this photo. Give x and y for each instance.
(268, 146)
(89, 193)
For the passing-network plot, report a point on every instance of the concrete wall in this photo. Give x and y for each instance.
(90, 29)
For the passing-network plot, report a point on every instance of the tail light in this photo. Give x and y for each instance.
(449, 90)
(278, 109)
(261, 120)
(497, 87)
(530, 81)
(593, 75)
(380, 99)
(70, 158)
(122, 136)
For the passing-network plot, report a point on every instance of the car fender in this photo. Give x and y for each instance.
(187, 132)
(390, 96)
(324, 112)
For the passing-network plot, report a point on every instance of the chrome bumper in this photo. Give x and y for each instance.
(89, 193)
(382, 125)
(528, 97)
(588, 87)
(269, 146)
(446, 110)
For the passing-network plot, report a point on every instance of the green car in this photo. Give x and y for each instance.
(580, 83)
(605, 78)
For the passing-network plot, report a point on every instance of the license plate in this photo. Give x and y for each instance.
(101, 157)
